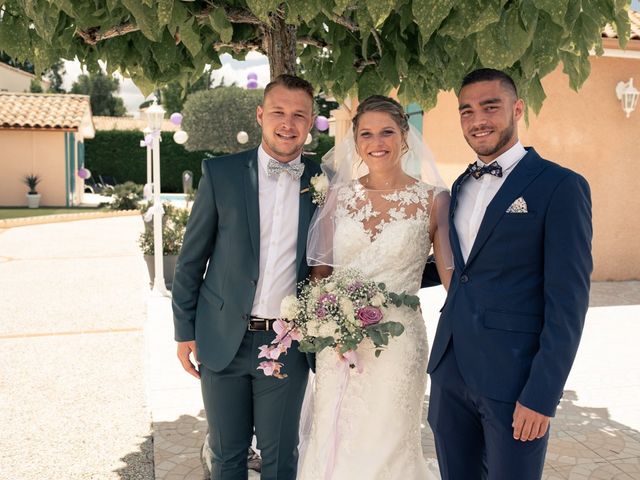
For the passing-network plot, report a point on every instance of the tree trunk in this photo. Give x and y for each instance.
(280, 45)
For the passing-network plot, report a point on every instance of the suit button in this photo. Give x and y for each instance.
(254, 282)
(245, 316)
(464, 279)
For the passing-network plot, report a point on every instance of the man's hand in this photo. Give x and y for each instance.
(184, 350)
(528, 424)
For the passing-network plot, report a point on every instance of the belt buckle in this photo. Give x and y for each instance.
(266, 322)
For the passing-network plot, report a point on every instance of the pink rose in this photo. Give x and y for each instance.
(369, 316)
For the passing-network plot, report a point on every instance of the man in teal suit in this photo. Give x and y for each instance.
(243, 251)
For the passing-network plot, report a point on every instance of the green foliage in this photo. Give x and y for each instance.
(35, 86)
(213, 118)
(324, 143)
(54, 75)
(101, 89)
(174, 224)
(345, 47)
(125, 196)
(32, 182)
(118, 154)
(174, 94)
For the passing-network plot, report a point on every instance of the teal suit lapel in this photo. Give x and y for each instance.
(252, 200)
(523, 174)
(304, 217)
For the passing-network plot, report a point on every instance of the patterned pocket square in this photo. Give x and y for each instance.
(518, 206)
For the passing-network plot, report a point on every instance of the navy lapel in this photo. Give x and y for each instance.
(523, 174)
(453, 233)
(304, 215)
(251, 196)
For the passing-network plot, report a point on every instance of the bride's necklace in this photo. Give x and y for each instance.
(391, 184)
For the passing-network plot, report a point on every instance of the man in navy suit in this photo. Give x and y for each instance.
(509, 330)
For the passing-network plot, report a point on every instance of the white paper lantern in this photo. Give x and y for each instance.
(180, 137)
(242, 137)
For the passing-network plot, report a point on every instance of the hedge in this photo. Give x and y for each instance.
(118, 153)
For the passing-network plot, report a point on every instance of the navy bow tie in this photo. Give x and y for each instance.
(275, 168)
(476, 171)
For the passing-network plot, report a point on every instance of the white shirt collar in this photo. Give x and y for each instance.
(509, 158)
(263, 158)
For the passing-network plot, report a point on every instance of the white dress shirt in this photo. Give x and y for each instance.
(476, 194)
(279, 199)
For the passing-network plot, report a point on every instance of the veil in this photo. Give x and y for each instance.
(342, 167)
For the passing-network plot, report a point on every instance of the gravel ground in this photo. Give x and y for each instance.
(72, 387)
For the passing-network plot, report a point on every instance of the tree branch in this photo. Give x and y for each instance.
(312, 41)
(345, 22)
(93, 35)
(238, 47)
(361, 64)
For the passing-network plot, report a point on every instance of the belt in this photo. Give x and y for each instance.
(258, 324)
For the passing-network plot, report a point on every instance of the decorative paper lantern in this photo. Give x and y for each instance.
(252, 76)
(180, 137)
(84, 173)
(309, 139)
(176, 118)
(252, 84)
(322, 123)
(242, 137)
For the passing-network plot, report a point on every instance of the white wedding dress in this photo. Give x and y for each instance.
(368, 425)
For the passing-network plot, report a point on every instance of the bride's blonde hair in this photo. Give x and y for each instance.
(380, 103)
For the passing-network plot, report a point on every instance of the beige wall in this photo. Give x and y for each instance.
(24, 152)
(587, 132)
(15, 80)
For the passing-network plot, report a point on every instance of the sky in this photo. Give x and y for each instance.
(232, 71)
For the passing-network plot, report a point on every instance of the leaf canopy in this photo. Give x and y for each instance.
(345, 47)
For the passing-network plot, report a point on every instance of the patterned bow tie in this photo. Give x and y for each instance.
(492, 169)
(275, 168)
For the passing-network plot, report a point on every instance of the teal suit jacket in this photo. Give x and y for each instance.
(217, 271)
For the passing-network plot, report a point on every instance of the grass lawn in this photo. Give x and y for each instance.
(11, 212)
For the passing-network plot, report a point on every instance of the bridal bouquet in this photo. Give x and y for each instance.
(338, 311)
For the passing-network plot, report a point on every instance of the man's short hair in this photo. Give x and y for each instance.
(489, 75)
(291, 82)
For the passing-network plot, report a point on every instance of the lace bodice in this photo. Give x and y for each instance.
(384, 234)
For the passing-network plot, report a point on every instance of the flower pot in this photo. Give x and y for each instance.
(169, 265)
(33, 200)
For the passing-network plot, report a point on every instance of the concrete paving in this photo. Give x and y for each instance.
(73, 403)
(90, 387)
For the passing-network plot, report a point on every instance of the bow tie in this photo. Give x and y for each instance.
(476, 171)
(275, 168)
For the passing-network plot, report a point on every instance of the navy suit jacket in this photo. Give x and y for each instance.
(217, 271)
(516, 308)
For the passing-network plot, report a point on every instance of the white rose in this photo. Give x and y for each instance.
(328, 329)
(289, 307)
(320, 183)
(377, 300)
(312, 328)
(346, 306)
(330, 287)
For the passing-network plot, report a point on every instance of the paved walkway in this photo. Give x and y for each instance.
(72, 387)
(90, 387)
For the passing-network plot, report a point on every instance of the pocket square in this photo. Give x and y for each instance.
(518, 206)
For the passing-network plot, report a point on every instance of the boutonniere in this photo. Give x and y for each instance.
(319, 186)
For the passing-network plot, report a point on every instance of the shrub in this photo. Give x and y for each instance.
(126, 196)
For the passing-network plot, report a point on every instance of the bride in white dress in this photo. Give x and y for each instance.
(381, 221)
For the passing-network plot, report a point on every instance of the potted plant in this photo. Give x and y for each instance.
(173, 228)
(33, 197)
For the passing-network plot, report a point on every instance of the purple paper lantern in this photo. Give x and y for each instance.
(84, 173)
(322, 123)
(252, 76)
(252, 84)
(176, 118)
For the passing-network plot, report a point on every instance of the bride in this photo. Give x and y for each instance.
(382, 221)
